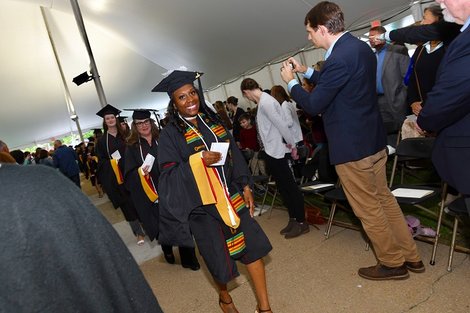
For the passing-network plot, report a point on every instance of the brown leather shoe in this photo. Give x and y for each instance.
(415, 267)
(382, 272)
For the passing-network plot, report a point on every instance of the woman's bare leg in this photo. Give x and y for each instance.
(225, 300)
(258, 276)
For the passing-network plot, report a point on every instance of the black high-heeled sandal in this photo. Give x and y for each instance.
(258, 310)
(221, 302)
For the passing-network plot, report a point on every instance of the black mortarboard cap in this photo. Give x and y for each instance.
(141, 114)
(122, 119)
(108, 109)
(175, 80)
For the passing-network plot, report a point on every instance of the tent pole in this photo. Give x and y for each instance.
(270, 72)
(225, 90)
(93, 68)
(68, 99)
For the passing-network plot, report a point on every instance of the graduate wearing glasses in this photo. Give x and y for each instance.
(110, 150)
(141, 176)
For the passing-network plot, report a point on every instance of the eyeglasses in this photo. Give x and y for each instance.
(144, 122)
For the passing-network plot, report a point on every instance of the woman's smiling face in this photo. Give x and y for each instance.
(186, 100)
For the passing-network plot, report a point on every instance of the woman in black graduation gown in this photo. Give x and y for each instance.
(213, 203)
(110, 150)
(142, 180)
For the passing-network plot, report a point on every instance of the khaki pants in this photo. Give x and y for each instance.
(365, 185)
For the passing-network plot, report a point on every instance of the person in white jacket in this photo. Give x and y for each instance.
(278, 141)
(290, 112)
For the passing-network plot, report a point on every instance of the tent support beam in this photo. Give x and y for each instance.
(93, 69)
(68, 99)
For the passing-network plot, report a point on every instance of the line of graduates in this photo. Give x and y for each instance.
(120, 156)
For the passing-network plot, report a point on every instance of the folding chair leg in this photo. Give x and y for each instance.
(452, 244)
(264, 199)
(402, 174)
(439, 222)
(394, 167)
(330, 220)
(272, 203)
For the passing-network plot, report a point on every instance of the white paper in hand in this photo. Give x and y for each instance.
(148, 162)
(116, 155)
(221, 147)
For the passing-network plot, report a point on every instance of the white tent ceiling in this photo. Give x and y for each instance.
(134, 42)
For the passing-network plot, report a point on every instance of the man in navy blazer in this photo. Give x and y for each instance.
(447, 107)
(346, 97)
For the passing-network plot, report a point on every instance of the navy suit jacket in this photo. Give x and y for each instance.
(447, 112)
(346, 97)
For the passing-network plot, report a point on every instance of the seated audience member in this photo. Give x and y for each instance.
(232, 104)
(446, 109)
(54, 263)
(36, 154)
(222, 113)
(45, 159)
(425, 60)
(249, 144)
(18, 155)
(28, 158)
(6, 157)
(4, 147)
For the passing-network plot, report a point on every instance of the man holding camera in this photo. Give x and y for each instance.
(345, 96)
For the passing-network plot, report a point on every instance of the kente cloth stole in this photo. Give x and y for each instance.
(146, 180)
(210, 187)
(117, 171)
(236, 241)
(147, 185)
(212, 190)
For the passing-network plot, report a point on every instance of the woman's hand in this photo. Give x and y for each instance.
(211, 157)
(249, 200)
(145, 169)
(420, 131)
(416, 107)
